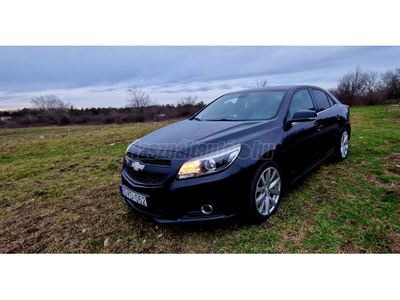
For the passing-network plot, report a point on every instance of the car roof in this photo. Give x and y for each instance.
(276, 88)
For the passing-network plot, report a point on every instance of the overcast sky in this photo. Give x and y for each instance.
(98, 76)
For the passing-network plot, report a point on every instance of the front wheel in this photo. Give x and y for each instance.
(265, 191)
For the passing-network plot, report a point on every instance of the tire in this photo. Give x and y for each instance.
(342, 147)
(265, 191)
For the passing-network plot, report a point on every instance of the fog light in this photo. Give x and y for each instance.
(206, 209)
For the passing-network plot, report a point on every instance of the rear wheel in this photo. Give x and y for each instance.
(265, 191)
(342, 148)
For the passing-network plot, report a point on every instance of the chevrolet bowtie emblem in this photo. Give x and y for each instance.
(137, 166)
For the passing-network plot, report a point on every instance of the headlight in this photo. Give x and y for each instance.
(210, 163)
(127, 148)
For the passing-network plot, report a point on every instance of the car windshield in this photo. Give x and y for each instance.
(250, 105)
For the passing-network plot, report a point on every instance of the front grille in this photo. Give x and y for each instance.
(148, 160)
(144, 178)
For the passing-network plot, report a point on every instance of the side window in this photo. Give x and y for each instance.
(301, 101)
(331, 102)
(322, 99)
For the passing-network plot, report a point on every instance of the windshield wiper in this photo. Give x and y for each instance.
(197, 119)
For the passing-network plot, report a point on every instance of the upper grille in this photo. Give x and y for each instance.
(149, 160)
(144, 178)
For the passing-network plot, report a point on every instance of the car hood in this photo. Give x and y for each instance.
(193, 138)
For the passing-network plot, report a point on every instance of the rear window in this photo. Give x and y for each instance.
(322, 100)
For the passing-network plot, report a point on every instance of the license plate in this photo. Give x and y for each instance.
(134, 196)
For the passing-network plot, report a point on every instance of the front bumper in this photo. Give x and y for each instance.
(178, 201)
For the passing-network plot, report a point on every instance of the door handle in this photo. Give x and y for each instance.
(319, 124)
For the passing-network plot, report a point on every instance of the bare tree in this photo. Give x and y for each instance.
(188, 100)
(371, 81)
(262, 83)
(391, 83)
(351, 85)
(138, 98)
(50, 105)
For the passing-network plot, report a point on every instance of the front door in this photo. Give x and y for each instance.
(300, 148)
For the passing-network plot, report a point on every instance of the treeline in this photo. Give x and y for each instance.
(357, 87)
(96, 116)
(366, 87)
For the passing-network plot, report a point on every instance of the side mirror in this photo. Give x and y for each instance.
(301, 116)
(304, 116)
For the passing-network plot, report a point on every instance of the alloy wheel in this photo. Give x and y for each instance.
(344, 144)
(268, 191)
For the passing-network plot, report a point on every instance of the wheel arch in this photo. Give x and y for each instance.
(348, 127)
(272, 155)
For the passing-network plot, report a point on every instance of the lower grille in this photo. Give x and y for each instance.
(144, 178)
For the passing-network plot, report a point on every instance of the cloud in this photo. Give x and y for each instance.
(99, 76)
(101, 90)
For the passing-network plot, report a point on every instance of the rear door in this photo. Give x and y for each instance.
(329, 120)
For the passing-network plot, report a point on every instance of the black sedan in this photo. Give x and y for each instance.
(237, 155)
